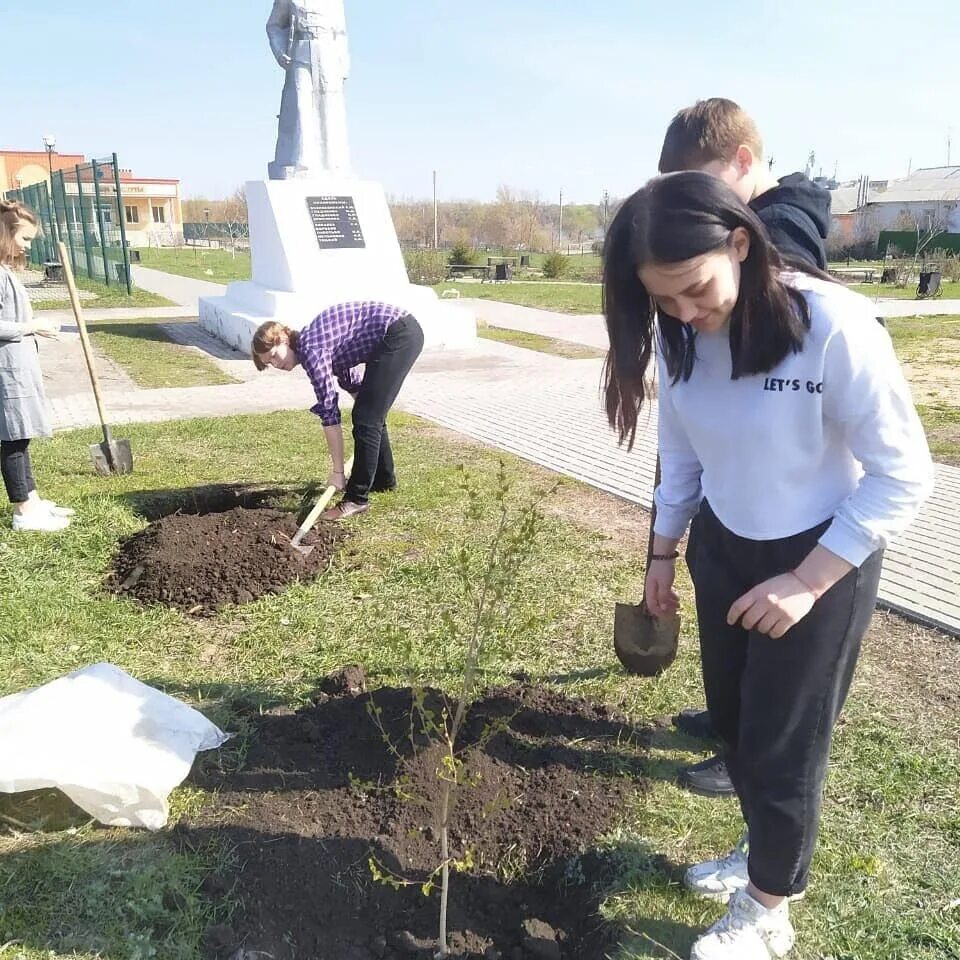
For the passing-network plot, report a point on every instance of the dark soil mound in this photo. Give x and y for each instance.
(199, 563)
(318, 797)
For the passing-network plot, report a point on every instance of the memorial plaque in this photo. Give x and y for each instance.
(335, 222)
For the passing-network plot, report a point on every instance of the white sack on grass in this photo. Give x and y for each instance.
(113, 745)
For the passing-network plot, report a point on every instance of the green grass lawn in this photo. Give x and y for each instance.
(561, 297)
(112, 296)
(854, 264)
(930, 346)
(887, 874)
(197, 261)
(534, 341)
(151, 358)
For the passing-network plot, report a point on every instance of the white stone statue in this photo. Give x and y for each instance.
(309, 40)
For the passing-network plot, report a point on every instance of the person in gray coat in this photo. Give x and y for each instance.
(23, 408)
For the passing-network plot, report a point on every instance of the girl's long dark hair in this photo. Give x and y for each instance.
(674, 218)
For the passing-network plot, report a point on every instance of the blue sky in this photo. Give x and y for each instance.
(542, 95)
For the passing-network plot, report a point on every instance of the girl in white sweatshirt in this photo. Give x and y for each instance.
(788, 436)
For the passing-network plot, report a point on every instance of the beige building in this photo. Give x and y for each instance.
(152, 214)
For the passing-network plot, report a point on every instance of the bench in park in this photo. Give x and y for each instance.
(484, 271)
(854, 274)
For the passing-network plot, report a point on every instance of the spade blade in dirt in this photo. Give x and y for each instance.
(646, 645)
(113, 456)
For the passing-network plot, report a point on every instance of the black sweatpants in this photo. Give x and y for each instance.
(774, 703)
(373, 467)
(16, 469)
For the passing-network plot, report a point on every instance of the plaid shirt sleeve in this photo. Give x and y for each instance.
(327, 407)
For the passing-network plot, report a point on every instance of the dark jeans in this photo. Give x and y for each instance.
(372, 457)
(16, 469)
(774, 703)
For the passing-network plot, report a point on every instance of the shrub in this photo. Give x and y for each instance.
(425, 266)
(555, 266)
(461, 253)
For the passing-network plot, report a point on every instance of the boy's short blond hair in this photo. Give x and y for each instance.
(710, 130)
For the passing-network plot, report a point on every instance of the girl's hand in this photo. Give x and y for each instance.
(337, 480)
(43, 328)
(774, 606)
(662, 600)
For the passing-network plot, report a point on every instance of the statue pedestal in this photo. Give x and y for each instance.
(320, 241)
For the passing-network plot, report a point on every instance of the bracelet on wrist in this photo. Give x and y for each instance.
(665, 556)
(806, 586)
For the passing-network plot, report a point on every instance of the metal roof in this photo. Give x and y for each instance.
(922, 186)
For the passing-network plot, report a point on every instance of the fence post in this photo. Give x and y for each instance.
(66, 218)
(83, 224)
(103, 235)
(51, 222)
(123, 227)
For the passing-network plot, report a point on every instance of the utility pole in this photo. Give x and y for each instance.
(606, 209)
(560, 228)
(436, 233)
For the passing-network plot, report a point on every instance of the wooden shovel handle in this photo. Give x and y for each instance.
(653, 514)
(84, 339)
(318, 508)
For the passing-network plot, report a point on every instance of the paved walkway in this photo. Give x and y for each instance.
(917, 308)
(182, 290)
(588, 329)
(542, 408)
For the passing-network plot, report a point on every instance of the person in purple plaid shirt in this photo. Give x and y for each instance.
(388, 341)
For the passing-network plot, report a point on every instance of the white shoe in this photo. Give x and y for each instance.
(748, 931)
(39, 521)
(55, 510)
(722, 878)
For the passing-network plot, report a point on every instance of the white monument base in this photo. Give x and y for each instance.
(323, 241)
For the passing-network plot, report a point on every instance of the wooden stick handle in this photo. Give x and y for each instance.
(84, 339)
(653, 511)
(318, 508)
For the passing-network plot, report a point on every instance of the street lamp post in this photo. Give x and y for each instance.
(50, 143)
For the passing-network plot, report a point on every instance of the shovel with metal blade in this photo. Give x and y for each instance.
(111, 456)
(646, 645)
(314, 514)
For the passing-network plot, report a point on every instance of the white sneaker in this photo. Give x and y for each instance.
(39, 521)
(720, 879)
(55, 510)
(748, 931)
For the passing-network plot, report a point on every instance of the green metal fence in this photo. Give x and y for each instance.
(83, 207)
(906, 242)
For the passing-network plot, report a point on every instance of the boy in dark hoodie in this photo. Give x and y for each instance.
(717, 136)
